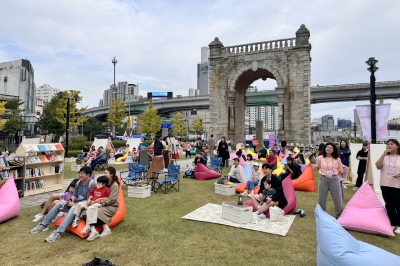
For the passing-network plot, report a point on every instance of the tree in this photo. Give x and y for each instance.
(116, 113)
(178, 125)
(149, 121)
(93, 127)
(15, 122)
(197, 125)
(48, 122)
(2, 111)
(75, 118)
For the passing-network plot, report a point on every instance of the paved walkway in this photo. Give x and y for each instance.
(38, 199)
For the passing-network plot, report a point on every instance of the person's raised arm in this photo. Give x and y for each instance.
(379, 163)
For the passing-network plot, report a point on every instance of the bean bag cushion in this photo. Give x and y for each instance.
(279, 168)
(307, 161)
(242, 162)
(335, 246)
(123, 157)
(233, 155)
(116, 219)
(193, 152)
(290, 196)
(201, 172)
(9, 201)
(262, 159)
(254, 155)
(284, 160)
(305, 182)
(365, 213)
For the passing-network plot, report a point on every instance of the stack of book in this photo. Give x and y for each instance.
(37, 184)
(33, 172)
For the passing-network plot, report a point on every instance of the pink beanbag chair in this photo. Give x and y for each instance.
(233, 155)
(201, 172)
(289, 194)
(242, 162)
(365, 213)
(9, 201)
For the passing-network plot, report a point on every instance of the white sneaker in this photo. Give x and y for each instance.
(355, 188)
(106, 232)
(75, 222)
(244, 193)
(38, 218)
(397, 231)
(85, 229)
(93, 235)
(394, 228)
(262, 216)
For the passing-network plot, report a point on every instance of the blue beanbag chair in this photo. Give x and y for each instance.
(335, 246)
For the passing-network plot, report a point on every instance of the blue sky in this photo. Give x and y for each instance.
(157, 43)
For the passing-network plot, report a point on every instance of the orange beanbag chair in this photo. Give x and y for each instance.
(116, 219)
(305, 181)
(240, 188)
(201, 172)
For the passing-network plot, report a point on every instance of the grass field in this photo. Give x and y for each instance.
(153, 233)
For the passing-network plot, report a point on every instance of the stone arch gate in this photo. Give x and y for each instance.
(234, 68)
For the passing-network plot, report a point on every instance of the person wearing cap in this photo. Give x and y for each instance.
(255, 179)
(278, 199)
(362, 156)
(236, 174)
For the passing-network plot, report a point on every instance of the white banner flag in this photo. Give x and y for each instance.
(382, 115)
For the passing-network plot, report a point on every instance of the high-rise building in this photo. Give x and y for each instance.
(46, 92)
(17, 80)
(193, 92)
(202, 72)
(344, 123)
(124, 91)
(39, 104)
(267, 114)
(328, 122)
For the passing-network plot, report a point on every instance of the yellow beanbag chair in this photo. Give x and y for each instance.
(279, 168)
(123, 157)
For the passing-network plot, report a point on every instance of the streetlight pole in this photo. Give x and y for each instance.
(61, 95)
(355, 130)
(371, 62)
(114, 61)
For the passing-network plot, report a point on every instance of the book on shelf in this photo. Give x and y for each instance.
(47, 147)
(34, 172)
(36, 160)
(59, 146)
(50, 157)
(35, 148)
(43, 159)
(32, 185)
(29, 148)
(41, 147)
(60, 158)
(53, 147)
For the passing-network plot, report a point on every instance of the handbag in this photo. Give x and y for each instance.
(175, 156)
(276, 214)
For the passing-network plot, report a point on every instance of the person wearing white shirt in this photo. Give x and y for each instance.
(236, 174)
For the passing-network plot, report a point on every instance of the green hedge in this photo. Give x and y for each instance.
(72, 146)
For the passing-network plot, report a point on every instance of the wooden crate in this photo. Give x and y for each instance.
(224, 189)
(237, 213)
(139, 192)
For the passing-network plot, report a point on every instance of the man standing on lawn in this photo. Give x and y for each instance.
(82, 188)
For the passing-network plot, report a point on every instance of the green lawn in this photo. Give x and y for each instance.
(153, 233)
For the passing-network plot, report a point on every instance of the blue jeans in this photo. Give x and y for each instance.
(251, 184)
(95, 163)
(234, 180)
(53, 213)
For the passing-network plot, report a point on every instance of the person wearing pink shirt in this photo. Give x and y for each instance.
(389, 164)
(187, 148)
(329, 166)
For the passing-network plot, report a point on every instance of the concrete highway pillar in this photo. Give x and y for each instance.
(260, 133)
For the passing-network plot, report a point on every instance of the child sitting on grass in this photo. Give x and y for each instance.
(99, 192)
(267, 193)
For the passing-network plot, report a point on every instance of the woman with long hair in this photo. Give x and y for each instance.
(345, 153)
(389, 164)
(329, 166)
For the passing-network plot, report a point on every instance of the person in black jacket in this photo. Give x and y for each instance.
(291, 168)
(283, 144)
(278, 199)
(223, 152)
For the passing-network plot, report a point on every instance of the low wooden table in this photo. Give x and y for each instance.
(237, 213)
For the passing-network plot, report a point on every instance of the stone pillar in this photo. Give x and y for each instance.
(260, 133)
(280, 93)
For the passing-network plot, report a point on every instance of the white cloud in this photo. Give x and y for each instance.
(157, 43)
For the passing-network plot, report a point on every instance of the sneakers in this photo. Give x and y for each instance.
(106, 231)
(297, 211)
(244, 193)
(39, 228)
(75, 222)
(93, 235)
(85, 229)
(38, 218)
(394, 228)
(53, 237)
(261, 216)
(355, 188)
(397, 231)
(302, 213)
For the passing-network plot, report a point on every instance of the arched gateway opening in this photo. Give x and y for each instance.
(234, 68)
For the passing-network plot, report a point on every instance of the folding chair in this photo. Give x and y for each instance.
(170, 180)
(135, 172)
(216, 163)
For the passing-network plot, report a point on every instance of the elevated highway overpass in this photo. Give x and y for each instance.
(319, 94)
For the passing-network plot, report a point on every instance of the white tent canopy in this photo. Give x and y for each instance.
(107, 145)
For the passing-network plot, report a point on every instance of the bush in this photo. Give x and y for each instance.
(118, 143)
(74, 153)
(78, 138)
